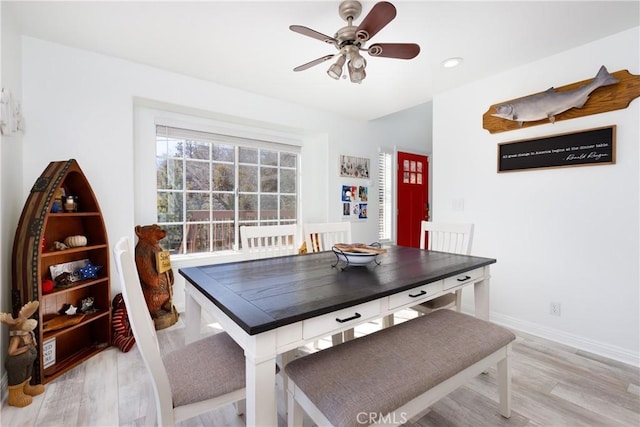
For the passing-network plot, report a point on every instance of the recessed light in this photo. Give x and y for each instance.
(451, 62)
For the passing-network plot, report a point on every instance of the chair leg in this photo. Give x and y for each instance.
(286, 358)
(459, 300)
(348, 335)
(504, 384)
(151, 419)
(336, 338)
(387, 321)
(241, 406)
(295, 414)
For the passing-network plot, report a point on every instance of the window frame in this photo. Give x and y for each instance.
(385, 184)
(146, 189)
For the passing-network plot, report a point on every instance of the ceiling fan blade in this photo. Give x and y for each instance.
(381, 14)
(394, 50)
(312, 33)
(313, 63)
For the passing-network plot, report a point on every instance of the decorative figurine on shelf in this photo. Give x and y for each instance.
(70, 310)
(58, 202)
(59, 246)
(76, 241)
(87, 306)
(89, 271)
(47, 286)
(21, 354)
(156, 275)
(71, 204)
(63, 280)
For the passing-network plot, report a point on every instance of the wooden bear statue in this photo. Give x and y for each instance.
(156, 278)
(21, 354)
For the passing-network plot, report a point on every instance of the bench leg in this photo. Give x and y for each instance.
(504, 384)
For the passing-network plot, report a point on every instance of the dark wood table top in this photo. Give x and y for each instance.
(264, 294)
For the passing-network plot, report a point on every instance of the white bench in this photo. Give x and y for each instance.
(390, 376)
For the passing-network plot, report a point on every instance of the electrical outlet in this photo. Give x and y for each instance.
(554, 308)
(458, 205)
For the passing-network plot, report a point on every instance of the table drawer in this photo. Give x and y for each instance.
(464, 278)
(416, 295)
(345, 318)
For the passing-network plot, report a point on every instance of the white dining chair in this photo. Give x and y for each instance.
(190, 381)
(269, 240)
(266, 241)
(443, 237)
(321, 237)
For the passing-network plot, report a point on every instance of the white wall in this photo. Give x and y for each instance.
(408, 131)
(566, 235)
(81, 105)
(10, 172)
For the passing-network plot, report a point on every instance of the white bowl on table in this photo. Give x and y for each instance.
(357, 254)
(355, 258)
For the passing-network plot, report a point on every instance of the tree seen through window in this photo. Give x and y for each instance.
(206, 190)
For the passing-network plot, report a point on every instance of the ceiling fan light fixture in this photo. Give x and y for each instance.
(357, 60)
(335, 71)
(353, 53)
(350, 40)
(356, 75)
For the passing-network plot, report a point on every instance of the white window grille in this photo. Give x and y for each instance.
(209, 184)
(385, 202)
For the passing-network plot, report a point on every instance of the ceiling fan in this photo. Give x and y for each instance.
(351, 40)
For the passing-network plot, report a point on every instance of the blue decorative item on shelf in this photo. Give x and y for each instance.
(89, 271)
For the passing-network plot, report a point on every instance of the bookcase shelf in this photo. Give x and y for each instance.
(40, 225)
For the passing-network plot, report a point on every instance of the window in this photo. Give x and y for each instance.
(208, 185)
(385, 202)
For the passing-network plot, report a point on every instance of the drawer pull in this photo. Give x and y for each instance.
(419, 294)
(462, 279)
(355, 316)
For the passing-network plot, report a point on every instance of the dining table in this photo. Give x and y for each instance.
(271, 306)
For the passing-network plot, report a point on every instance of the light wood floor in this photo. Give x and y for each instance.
(553, 385)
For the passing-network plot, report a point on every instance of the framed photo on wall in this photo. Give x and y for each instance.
(354, 167)
(354, 201)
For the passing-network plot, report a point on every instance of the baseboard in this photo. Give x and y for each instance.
(578, 342)
(3, 387)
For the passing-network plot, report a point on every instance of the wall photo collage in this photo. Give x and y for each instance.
(355, 199)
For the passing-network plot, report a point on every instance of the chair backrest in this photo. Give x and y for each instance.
(144, 330)
(321, 237)
(456, 238)
(269, 240)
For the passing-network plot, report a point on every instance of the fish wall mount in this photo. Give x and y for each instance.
(615, 96)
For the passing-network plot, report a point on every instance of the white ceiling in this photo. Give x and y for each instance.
(248, 44)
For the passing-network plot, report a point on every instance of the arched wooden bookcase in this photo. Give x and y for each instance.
(41, 224)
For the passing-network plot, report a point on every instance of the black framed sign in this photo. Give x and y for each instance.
(590, 147)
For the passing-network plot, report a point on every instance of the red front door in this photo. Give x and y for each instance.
(412, 197)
